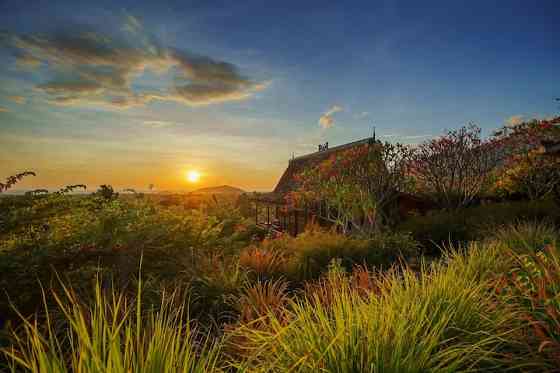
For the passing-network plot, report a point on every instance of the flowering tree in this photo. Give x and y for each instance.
(354, 189)
(455, 168)
(531, 174)
(526, 170)
(529, 135)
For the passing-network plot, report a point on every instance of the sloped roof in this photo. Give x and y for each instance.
(287, 182)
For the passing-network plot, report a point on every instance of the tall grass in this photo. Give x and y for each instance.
(445, 319)
(527, 237)
(308, 255)
(533, 285)
(111, 334)
(536, 287)
(487, 306)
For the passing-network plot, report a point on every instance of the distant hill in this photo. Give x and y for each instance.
(223, 189)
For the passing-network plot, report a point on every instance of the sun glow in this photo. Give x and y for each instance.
(193, 176)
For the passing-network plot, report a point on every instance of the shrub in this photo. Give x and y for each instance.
(526, 171)
(263, 298)
(265, 264)
(73, 234)
(309, 254)
(106, 192)
(216, 289)
(441, 227)
(534, 285)
(361, 279)
(531, 175)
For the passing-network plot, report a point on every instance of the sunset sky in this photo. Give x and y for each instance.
(131, 93)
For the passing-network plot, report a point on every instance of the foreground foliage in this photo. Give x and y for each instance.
(308, 255)
(487, 306)
(112, 334)
(78, 236)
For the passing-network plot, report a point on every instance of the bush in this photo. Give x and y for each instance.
(474, 223)
(216, 289)
(76, 236)
(263, 263)
(533, 285)
(262, 298)
(308, 255)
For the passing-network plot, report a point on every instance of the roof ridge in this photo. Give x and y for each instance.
(333, 149)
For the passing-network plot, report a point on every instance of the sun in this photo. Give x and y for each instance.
(193, 176)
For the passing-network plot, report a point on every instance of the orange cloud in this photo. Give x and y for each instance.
(515, 120)
(17, 99)
(326, 120)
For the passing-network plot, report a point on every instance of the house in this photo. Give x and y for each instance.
(272, 212)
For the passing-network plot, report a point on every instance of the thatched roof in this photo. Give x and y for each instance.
(287, 183)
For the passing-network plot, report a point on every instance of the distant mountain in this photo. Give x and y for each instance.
(223, 189)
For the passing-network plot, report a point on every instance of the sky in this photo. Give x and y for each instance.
(132, 93)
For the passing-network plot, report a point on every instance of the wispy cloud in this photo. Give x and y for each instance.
(406, 137)
(326, 120)
(17, 99)
(26, 61)
(514, 120)
(3, 110)
(412, 137)
(132, 24)
(95, 69)
(362, 115)
(158, 123)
